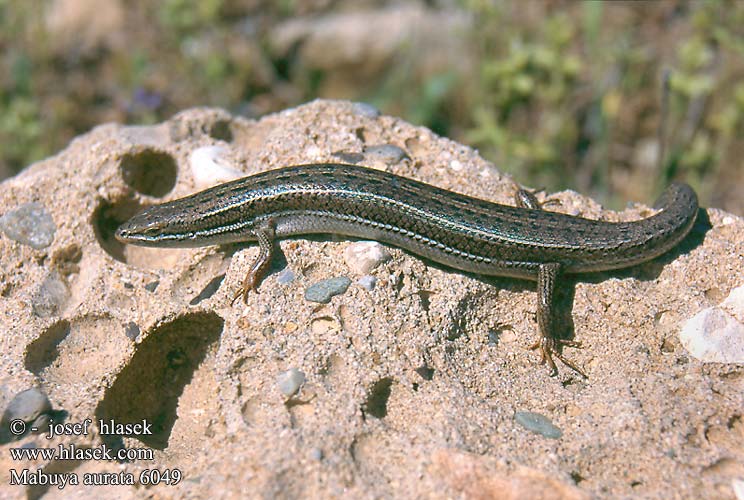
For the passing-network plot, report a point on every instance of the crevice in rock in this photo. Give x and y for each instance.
(108, 216)
(42, 351)
(377, 398)
(149, 387)
(149, 172)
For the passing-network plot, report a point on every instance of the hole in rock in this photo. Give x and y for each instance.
(377, 398)
(148, 389)
(149, 172)
(108, 216)
(42, 351)
(221, 130)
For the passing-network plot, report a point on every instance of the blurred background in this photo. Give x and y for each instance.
(561, 94)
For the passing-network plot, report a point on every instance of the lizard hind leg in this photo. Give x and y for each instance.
(548, 344)
(266, 235)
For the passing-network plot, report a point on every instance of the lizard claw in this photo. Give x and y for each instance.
(249, 284)
(550, 347)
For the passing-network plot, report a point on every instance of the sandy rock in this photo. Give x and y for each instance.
(410, 388)
(477, 477)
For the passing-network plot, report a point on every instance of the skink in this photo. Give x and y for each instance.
(459, 231)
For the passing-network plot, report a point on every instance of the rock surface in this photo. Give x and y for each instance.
(410, 389)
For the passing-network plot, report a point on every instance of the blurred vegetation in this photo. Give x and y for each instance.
(561, 94)
(571, 99)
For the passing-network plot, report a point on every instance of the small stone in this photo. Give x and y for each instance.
(51, 296)
(30, 224)
(713, 335)
(27, 406)
(368, 282)
(289, 382)
(132, 331)
(352, 158)
(285, 276)
(385, 153)
(316, 454)
(363, 256)
(152, 286)
(493, 337)
(313, 152)
(209, 166)
(738, 486)
(365, 110)
(539, 424)
(323, 291)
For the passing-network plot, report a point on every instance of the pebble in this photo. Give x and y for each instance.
(714, 335)
(363, 256)
(738, 486)
(493, 337)
(30, 224)
(539, 424)
(323, 291)
(132, 331)
(209, 166)
(365, 110)
(368, 282)
(51, 296)
(285, 276)
(28, 405)
(313, 152)
(289, 382)
(385, 153)
(352, 158)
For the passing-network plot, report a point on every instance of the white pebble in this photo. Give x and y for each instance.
(313, 152)
(363, 256)
(728, 220)
(289, 382)
(738, 486)
(209, 167)
(716, 334)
